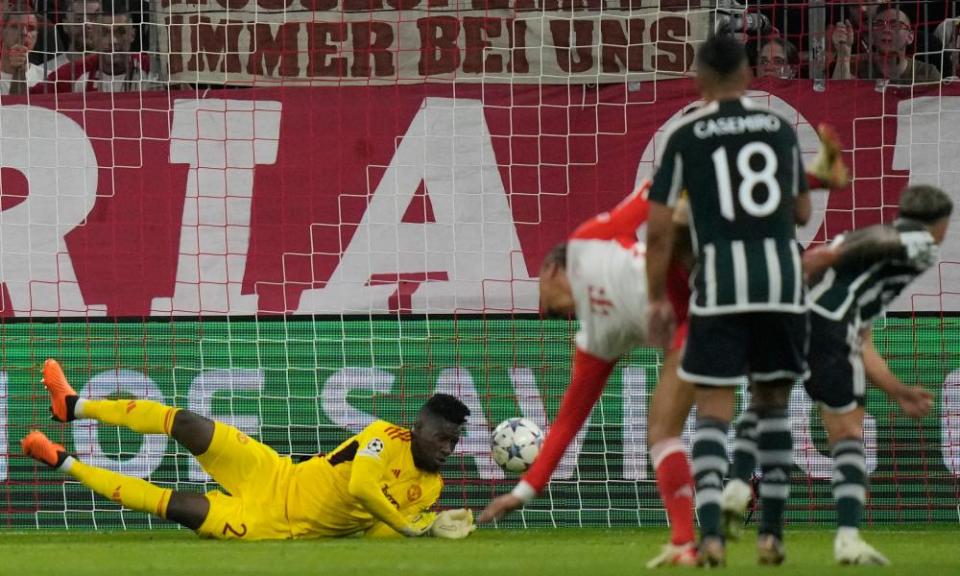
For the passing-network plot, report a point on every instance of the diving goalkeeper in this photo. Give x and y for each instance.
(381, 482)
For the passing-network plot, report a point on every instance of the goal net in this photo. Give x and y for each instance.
(298, 217)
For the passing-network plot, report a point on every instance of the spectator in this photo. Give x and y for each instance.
(116, 68)
(777, 58)
(75, 39)
(855, 19)
(948, 33)
(890, 33)
(19, 36)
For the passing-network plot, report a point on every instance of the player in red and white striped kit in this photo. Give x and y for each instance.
(599, 275)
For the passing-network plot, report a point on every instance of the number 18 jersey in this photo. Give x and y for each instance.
(741, 167)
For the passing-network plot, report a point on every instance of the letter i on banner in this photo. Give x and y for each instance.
(222, 141)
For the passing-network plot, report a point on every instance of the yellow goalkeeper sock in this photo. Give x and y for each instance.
(143, 416)
(133, 493)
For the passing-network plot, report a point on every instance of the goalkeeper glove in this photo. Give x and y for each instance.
(419, 524)
(453, 524)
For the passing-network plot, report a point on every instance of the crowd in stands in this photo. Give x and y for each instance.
(61, 46)
(902, 43)
(88, 46)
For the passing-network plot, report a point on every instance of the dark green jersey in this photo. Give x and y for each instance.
(859, 290)
(740, 165)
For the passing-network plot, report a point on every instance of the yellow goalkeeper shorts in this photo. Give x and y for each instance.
(258, 480)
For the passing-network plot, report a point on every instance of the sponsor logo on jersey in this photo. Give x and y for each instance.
(396, 472)
(600, 304)
(390, 497)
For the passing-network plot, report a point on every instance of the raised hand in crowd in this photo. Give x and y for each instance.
(842, 41)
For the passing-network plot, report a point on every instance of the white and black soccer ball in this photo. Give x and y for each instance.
(515, 444)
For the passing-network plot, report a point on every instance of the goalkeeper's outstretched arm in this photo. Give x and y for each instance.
(365, 487)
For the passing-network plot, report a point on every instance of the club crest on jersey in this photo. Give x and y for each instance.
(373, 448)
(414, 493)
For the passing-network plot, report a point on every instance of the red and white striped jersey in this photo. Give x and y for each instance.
(606, 267)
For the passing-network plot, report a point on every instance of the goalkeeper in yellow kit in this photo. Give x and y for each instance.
(381, 482)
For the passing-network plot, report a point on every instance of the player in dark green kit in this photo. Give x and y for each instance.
(740, 164)
(852, 282)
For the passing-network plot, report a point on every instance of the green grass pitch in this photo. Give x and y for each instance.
(594, 552)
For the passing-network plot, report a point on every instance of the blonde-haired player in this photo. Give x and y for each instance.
(381, 482)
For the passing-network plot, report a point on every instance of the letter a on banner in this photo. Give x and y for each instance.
(467, 257)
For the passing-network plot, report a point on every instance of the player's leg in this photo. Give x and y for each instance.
(192, 431)
(845, 435)
(778, 351)
(245, 467)
(715, 406)
(715, 362)
(185, 508)
(737, 494)
(838, 384)
(775, 455)
(669, 407)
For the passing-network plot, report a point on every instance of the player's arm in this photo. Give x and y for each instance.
(802, 207)
(913, 400)
(449, 524)
(365, 484)
(622, 221)
(589, 378)
(870, 245)
(663, 196)
(660, 239)
(856, 248)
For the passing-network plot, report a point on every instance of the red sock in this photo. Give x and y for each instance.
(676, 487)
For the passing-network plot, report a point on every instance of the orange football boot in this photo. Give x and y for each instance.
(62, 396)
(37, 446)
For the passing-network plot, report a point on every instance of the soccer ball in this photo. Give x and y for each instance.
(515, 444)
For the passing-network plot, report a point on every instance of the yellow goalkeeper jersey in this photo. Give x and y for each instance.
(337, 494)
